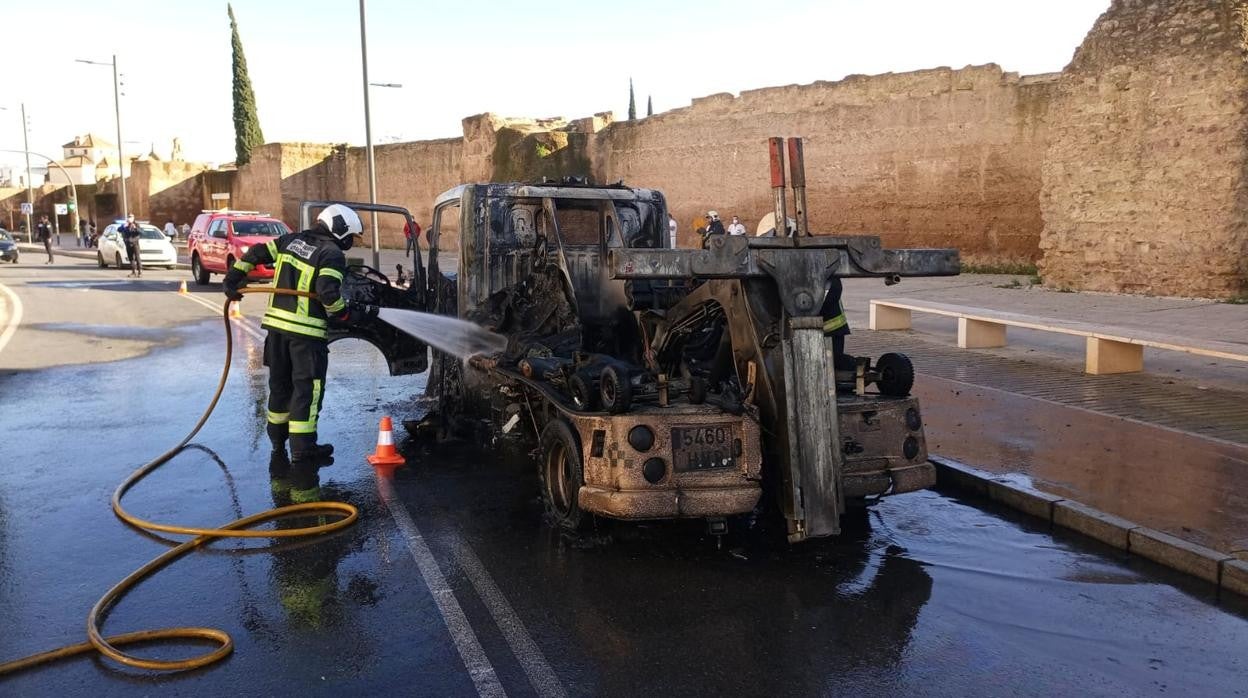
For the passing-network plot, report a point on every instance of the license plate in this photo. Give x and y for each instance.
(704, 448)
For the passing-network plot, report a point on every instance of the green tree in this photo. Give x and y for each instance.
(632, 103)
(649, 105)
(247, 133)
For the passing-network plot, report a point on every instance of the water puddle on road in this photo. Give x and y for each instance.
(107, 331)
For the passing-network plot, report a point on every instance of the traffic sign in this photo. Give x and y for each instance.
(62, 209)
(27, 209)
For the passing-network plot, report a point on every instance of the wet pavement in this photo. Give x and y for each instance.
(928, 594)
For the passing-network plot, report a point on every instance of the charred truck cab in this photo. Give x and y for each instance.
(662, 383)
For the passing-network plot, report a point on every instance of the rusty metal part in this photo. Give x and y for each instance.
(775, 151)
(797, 177)
(874, 432)
(616, 487)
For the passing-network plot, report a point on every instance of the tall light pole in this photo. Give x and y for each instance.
(30, 197)
(121, 154)
(368, 141)
(372, 164)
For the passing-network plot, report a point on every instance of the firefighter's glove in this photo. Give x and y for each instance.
(231, 290)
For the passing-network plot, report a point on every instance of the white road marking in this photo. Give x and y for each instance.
(530, 656)
(243, 323)
(479, 668)
(15, 316)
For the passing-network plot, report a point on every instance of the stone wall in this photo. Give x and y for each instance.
(1144, 187)
(1125, 171)
(930, 158)
(408, 174)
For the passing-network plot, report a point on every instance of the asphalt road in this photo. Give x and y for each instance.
(452, 585)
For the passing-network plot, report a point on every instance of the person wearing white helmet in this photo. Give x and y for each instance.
(296, 349)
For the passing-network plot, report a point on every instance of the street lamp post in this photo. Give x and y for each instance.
(30, 197)
(368, 138)
(121, 154)
(73, 190)
(368, 141)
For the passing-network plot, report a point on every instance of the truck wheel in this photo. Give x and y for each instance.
(561, 476)
(584, 393)
(896, 375)
(615, 389)
(198, 271)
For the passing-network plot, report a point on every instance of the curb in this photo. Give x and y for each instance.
(1226, 572)
(74, 252)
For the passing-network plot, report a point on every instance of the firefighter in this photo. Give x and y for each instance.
(296, 349)
(835, 325)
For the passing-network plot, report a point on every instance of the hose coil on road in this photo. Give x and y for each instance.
(239, 528)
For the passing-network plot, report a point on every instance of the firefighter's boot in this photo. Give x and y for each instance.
(279, 464)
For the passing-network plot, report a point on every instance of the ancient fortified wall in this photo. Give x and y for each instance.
(1144, 186)
(1125, 172)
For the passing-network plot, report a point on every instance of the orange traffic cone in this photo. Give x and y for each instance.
(386, 456)
(235, 311)
(182, 287)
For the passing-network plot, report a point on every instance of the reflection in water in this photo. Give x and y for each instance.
(827, 607)
(313, 597)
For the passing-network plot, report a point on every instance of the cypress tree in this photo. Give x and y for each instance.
(649, 105)
(247, 134)
(632, 103)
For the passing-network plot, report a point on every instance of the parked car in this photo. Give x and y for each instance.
(219, 238)
(8, 247)
(155, 250)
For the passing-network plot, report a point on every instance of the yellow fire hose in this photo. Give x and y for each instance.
(239, 528)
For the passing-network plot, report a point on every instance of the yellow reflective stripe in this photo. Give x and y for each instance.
(244, 266)
(272, 247)
(294, 317)
(331, 272)
(279, 417)
(299, 264)
(336, 307)
(306, 274)
(309, 426)
(274, 323)
(834, 323)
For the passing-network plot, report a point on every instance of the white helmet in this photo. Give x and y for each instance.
(341, 221)
(713, 215)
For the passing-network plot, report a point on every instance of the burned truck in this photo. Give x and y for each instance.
(660, 383)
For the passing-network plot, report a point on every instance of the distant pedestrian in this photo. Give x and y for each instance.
(84, 237)
(735, 227)
(185, 229)
(130, 233)
(171, 230)
(411, 231)
(714, 226)
(43, 233)
(671, 229)
(95, 238)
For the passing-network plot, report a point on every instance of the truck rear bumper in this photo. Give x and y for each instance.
(669, 503)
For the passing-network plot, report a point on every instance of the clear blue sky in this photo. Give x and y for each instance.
(553, 58)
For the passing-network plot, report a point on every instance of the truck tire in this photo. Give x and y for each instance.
(614, 389)
(896, 375)
(201, 275)
(584, 391)
(561, 476)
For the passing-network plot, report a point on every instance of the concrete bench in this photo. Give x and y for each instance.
(1109, 349)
